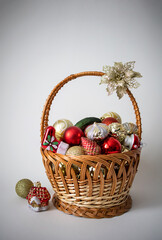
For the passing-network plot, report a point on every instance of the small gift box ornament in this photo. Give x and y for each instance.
(51, 143)
(38, 198)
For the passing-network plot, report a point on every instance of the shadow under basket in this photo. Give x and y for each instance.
(102, 192)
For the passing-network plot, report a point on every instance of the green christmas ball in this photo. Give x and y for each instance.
(23, 187)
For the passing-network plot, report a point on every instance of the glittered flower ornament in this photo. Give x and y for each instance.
(50, 143)
(120, 77)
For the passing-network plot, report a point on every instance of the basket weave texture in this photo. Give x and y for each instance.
(100, 195)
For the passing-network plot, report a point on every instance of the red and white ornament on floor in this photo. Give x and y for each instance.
(38, 198)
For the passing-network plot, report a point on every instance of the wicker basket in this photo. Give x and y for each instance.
(98, 196)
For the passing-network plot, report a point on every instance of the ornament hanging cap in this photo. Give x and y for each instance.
(37, 184)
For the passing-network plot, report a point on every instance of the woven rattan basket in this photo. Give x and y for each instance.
(89, 196)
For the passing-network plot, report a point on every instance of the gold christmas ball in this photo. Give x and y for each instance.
(63, 168)
(117, 130)
(75, 151)
(76, 170)
(23, 187)
(60, 127)
(120, 136)
(116, 127)
(124, 149)
(112, 114)
(130, 128)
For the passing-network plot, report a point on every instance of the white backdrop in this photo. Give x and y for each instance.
(42, 42)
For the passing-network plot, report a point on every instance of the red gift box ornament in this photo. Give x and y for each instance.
(51, 143)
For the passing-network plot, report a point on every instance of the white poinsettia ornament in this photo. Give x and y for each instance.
(120, 77)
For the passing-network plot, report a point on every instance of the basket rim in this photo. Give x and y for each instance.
(92, 156)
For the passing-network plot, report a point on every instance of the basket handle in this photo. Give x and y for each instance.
(45, 113)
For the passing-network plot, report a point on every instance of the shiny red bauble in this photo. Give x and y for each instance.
(73, 135)
(111, 145)
(136, 142)
(109, 120)
(132, 142)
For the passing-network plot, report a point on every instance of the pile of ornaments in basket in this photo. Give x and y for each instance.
(91, 136)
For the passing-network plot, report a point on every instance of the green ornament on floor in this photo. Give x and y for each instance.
(23, 187)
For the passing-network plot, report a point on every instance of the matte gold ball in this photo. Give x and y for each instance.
(23, 187)
(75, 151)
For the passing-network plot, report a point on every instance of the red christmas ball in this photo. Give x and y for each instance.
(111, 145)
(136, 142)
(109, 120)
(73, 135)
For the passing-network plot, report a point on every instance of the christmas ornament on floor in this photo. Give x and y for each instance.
(38, 198)
(23, 187)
